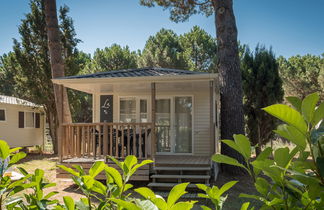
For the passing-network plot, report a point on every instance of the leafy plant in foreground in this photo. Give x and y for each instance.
(171, 203)
(8, 187)
(215, 194)
(112, 193)
(292, 179)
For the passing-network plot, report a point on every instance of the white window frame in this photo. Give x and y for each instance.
(5, 114)
(25, 121)
(137, 107)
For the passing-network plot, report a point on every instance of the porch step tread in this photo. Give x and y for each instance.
(161, 168)
(156, 184)
(162, 176)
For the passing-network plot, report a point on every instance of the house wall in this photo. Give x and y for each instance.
(20, 137)
(201, 116)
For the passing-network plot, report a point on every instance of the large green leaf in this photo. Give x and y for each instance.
(264, 154)
(129, 162)
(145, 192)
(318, 114)
(245, 206)
(4, 149)
(115, 175)
(224, 188)
(308, 106)
(219, 158)
(262, 186)
(233, 145)
(176, 192)
(244, 144)
(295, 102)
(183, 205)
(88, 181)
(288, 115)
(160, 203)
(202, 187)
(125, 204)
(70, 170)
(16, 157)
(96, 168)
(50, 194)
(144, 162)
(292, 134)
(281, 157)
(99, 187)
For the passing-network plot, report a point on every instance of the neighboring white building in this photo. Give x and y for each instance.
(21, 122)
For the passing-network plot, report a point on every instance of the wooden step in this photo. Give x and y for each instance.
(170, 185)
(161, 168)
(162, 176)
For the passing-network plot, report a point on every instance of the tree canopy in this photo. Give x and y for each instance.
(199, 50)
(112, 58)
(28, 69)
(163, 50)
(302, 75)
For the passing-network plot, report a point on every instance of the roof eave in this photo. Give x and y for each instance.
(164, 78)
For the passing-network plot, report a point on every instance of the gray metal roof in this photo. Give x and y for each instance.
(141, 72)
(16, 101)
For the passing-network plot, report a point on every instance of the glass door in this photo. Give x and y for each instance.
(163, 125)
(174, 124)
(183, 124)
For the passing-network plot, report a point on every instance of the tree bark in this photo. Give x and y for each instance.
(57, 66)
(230, 77)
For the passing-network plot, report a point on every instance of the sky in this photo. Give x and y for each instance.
(290, 27)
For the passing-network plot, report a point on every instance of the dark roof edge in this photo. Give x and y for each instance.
(131, 70)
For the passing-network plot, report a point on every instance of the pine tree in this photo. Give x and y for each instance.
(262, 87)
(33, 70)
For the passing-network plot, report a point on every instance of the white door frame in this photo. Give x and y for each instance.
(172, 124)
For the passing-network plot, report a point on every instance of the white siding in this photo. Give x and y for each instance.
(201, 126)
(19, 137)
(202, 142)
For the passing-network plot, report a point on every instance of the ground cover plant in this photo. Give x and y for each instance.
(284, 178)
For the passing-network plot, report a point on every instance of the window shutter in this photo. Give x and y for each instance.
(37, 120)
(21, 120)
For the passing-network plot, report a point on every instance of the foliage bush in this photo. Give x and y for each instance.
(287, 179)
(283, 178)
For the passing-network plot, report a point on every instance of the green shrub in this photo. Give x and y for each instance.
(287, 179)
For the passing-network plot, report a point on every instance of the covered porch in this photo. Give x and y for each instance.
(151, 113)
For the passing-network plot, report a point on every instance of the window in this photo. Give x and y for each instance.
(2, 115)
(143, 111)
(29, 119)
(127, 110)
(132, 110)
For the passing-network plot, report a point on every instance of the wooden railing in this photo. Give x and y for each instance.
(97, 140)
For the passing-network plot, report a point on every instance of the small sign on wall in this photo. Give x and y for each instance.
(106, 108)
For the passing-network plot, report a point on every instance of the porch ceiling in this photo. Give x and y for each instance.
(110, 85)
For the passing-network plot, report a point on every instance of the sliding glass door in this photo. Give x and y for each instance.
(163, 125)
(183, 124)
(174, 124)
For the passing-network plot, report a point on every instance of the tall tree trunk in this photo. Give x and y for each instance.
(57, 66)
(230, 77)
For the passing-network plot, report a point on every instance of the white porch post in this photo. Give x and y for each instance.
(153, 136)
(211, 117)
(60, 133)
